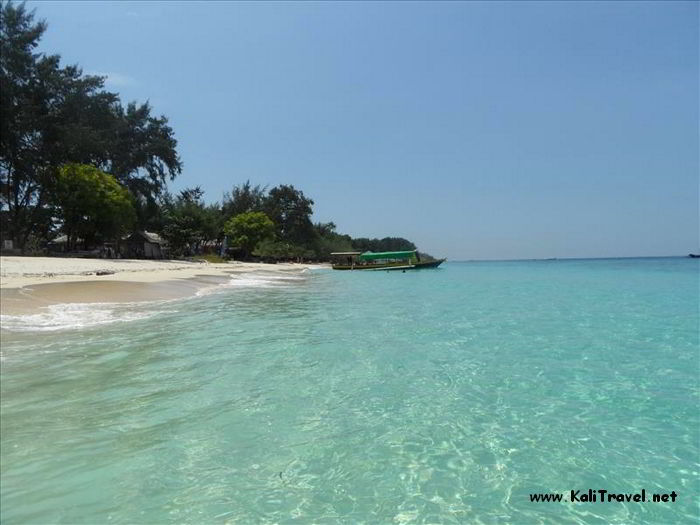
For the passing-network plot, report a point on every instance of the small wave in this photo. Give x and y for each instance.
(264, 281)
(314, 267)
(259, 280)
(69, 316)
(250, 281)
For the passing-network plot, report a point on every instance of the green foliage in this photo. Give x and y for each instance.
(328, 241)
(150, 213)
(387, 244)
(52, 115)
(91, 204)
(242, 199)
(291, 212)
(189, 222)
(141, 151)
(271, 249)
(248, 229)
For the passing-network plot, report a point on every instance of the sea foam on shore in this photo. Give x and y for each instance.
(67, 316)
(46, 307)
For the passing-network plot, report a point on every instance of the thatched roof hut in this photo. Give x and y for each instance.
(146, 245)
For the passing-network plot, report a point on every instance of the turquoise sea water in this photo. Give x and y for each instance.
(443, 396)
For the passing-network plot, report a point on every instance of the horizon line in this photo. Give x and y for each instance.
(572, 258)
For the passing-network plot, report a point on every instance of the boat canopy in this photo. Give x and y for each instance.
(373, 256)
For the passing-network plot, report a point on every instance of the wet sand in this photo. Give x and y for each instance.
(28, 299)
(29, 284)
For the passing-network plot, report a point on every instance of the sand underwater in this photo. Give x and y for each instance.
(440, 396)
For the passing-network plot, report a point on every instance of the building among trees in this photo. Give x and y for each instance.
(145, 245)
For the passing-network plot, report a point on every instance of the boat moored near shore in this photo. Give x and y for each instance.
(400, 260)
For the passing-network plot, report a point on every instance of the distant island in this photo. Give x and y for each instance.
(81, 173)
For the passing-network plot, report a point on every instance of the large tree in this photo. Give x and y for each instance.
(142, 152)
(247, 230)
(291, 212)
(188, 222)
(53, 115)
(243, 198)
(91, 205)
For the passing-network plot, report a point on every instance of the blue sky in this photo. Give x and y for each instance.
(477, 130)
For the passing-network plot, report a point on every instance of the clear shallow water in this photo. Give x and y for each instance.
(441, 396)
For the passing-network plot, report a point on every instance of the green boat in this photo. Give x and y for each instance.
(405, 260)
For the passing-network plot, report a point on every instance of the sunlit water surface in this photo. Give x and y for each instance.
(443, 396)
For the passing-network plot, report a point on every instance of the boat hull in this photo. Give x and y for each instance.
(391, 266)
(428, 264)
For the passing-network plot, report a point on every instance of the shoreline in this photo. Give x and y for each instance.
(30, 284)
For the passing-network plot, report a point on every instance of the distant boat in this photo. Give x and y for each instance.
(694, 255)
(404, 260)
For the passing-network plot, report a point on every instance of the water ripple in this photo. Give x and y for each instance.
(438, 397)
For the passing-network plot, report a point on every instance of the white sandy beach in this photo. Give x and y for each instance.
(28, 283)
(16, 272)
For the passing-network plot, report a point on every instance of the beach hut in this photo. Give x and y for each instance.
(145, 245)
(59, 244)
